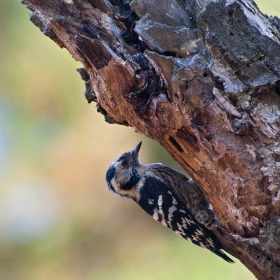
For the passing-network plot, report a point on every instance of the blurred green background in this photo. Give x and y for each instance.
(57, 218)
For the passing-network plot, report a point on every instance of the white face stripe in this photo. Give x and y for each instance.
(114, 184)
(134, 193)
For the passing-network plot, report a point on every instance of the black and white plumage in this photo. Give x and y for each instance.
(160, 190)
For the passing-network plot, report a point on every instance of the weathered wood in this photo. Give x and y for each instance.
(202, 78)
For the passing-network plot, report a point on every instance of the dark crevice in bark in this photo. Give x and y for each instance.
(175, 144)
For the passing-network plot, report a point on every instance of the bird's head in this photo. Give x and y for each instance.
(122, 176)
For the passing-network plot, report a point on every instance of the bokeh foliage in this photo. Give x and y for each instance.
(57, 218)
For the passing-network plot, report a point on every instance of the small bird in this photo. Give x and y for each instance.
(168, 196)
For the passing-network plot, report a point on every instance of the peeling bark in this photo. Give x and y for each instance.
(202, 78)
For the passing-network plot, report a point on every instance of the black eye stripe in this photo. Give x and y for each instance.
(121, 158)
(132, 182)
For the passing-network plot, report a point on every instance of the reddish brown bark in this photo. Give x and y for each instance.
(202, 78)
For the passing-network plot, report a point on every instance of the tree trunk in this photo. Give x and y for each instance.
(202, 78)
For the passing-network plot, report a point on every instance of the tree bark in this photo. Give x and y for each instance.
(202, 78)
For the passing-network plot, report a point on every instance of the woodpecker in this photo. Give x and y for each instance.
(168, 196)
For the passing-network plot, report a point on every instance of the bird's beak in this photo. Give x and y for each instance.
(136, 150)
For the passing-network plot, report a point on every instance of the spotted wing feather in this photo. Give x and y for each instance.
(158, 201)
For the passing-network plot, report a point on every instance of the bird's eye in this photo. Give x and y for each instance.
(124, 162)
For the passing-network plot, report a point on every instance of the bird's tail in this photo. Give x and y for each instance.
(223, 255)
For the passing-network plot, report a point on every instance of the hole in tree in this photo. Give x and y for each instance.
(219, 83)
(175, 144)
(277, 87)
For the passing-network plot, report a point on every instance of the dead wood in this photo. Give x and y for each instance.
(202, 78)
